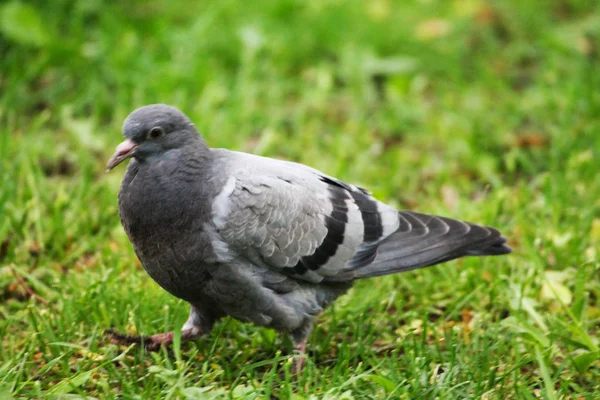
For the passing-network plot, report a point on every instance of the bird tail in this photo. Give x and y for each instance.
(423, 240)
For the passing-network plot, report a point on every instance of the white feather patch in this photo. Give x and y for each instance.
(389, 219)
(221, 205)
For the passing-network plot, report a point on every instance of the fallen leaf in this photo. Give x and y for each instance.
(34, 249)
(532, 141)
(486, 15)
(487, 276)
(90, 355)
(432, 29)
(466, 315)
(554, 289)
(561, 240)
(449, 196)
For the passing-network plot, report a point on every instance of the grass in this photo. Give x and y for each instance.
(485, 111)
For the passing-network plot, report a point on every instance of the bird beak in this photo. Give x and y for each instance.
(124, 151)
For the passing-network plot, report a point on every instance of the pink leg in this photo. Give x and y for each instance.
(300, 349)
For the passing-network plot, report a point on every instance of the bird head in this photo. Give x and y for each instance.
(151, 131)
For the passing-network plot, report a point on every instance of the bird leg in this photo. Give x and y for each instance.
(299, 339)
(191, 330)
(300, 350)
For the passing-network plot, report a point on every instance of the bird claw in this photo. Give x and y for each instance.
(150, 343)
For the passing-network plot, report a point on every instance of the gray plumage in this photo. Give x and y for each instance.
(262, 240)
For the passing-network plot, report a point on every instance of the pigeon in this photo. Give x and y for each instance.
(262, 240)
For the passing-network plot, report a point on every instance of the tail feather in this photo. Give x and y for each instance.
(423, 240)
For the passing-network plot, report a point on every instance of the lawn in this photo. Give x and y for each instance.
(488, 111)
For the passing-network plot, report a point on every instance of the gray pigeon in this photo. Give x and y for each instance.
(262, 240)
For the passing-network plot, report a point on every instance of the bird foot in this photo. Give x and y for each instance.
(150, 343)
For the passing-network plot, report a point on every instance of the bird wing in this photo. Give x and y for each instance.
(296, 220)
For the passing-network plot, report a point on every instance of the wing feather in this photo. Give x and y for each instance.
(293, 219)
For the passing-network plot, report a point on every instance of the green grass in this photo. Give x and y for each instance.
(485, 111)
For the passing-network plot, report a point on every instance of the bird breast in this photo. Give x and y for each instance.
(164, 216)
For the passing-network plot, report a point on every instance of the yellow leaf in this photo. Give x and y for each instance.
(561, 240)
(554, 290)
(432, 29)
(378, 10)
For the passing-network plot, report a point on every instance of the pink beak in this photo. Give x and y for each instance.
(124, 151)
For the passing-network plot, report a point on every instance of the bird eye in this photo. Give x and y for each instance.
(156, 132)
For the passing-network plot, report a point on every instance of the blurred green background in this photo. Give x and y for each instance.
(487, 111)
